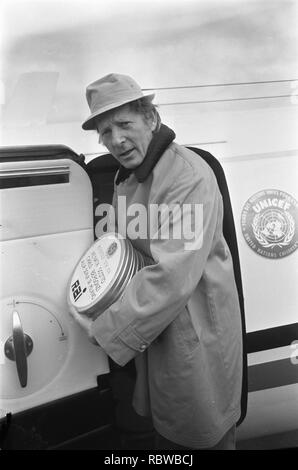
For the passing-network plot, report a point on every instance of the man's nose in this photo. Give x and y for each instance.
(118, 137)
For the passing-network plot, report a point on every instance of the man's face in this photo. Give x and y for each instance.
(126, 134)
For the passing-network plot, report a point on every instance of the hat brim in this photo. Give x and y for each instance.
(89, 123)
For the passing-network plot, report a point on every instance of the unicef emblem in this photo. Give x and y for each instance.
(269, 223)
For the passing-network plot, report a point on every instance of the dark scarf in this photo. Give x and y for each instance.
(160, 141)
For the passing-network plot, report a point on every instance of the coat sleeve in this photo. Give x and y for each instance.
(157, 293)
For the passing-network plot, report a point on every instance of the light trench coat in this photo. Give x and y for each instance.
(180, 317)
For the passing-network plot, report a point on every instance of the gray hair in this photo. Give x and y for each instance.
(147, 109)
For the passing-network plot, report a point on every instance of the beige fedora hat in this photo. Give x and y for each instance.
(110, 92)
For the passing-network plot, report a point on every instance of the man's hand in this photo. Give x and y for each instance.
(84, 322)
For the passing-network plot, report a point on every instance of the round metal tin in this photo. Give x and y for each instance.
(103, 273)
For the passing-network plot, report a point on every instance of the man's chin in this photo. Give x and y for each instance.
(129, 165)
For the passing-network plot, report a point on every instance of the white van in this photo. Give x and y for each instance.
(59, 391)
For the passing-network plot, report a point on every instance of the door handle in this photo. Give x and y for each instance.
(18, 347)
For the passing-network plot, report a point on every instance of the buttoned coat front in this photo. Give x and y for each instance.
(179, 317)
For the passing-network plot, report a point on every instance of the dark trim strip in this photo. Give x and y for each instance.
(272, 374)
(25, 181)
(271, 338)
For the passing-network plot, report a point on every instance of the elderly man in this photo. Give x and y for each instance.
(179, 317)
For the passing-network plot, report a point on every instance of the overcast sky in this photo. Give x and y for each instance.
(160, 43)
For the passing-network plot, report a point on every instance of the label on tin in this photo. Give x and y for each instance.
(95, 272)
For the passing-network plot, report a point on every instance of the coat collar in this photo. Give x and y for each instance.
(159, 142)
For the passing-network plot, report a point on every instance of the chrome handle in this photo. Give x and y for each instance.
(18, 347)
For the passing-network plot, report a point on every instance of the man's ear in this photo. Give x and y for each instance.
(153, 122)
